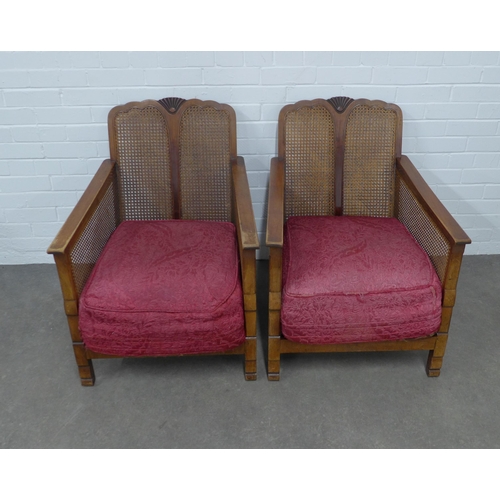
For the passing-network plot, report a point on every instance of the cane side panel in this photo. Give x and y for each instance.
(87, 249)
(369, 162)
(309, 162)
(423, 229)
(143, 164)
(205, 159)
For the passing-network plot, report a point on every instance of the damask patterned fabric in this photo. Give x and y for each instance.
(356, 279)
(165, 287)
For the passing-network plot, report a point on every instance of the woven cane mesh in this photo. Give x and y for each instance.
(205, 164)
(143, 165)
(369, 162)
(423, 229)
(309, 162)
(93, 238)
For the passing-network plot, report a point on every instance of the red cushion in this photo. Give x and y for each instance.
(356, 279)
(164, 287)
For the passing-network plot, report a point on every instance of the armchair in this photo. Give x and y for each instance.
(363, 256)
(158, 256)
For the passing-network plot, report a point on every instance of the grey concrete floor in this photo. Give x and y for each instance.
(351, 400)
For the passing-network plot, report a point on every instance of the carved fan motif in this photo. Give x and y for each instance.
(340, 103)
(171, 104)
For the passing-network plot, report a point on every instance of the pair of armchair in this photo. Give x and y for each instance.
(158, 256)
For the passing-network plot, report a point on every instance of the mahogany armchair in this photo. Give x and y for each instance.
(158, 256)
(363, 256)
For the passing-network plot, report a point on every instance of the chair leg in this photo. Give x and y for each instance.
(274, 325)
(274, 351)
(248, 272)
(85, 367)
(435, 359)
(274, 359)
(251, 358)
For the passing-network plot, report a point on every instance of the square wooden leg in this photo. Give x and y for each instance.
(274, 359)
(85, 367)
(435, 359)
(251, 358)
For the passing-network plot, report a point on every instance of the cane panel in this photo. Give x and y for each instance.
(423, 229)
(309, 162)
(143, 164)
(94, 237)
(369, 162)
(204, 164)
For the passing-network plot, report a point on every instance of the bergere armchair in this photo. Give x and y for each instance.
(363, 256)
(158, 256)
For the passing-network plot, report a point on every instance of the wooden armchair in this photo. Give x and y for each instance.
(158, 256)
(363, 256)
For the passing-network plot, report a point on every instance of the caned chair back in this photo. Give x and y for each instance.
(340, 156)
(173, 159)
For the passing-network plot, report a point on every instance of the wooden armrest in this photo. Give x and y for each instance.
(430, 203)
(245, 220)
(275, 206)
(84, 208)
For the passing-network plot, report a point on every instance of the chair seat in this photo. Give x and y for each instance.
(165, 287)
(356, 279)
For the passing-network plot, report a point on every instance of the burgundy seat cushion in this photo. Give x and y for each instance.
(356, 279)
(165, 287)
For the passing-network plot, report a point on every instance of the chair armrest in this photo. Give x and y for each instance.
(82, 237)
(430, 203)
(275, 206)
(244, 217)
(83, 210)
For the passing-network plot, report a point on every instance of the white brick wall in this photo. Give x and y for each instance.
(54, 105)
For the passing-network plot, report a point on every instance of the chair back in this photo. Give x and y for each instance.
(173, 159)
(340, 156)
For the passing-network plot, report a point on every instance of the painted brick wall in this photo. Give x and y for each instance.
(54, 105)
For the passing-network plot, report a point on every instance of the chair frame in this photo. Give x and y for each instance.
(434, 211)
(78, 220)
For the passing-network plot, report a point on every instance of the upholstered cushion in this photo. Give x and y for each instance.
(356, 279)
(164, 287)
